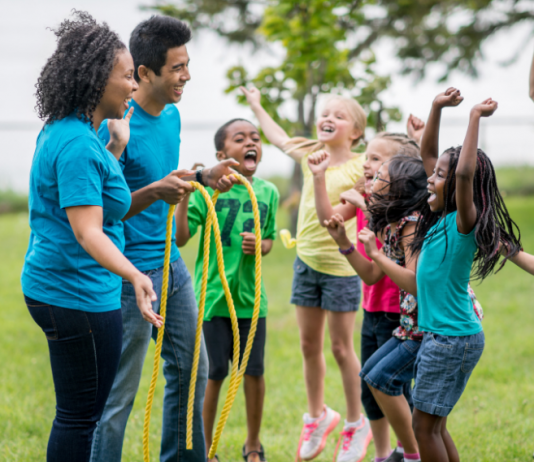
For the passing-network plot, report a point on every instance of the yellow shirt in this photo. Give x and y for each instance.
(315, 246)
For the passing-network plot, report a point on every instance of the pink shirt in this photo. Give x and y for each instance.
(384, 295)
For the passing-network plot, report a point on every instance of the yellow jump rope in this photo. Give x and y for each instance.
(237, 372)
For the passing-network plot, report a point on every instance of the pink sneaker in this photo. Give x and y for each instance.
(314, 433)
(354, 442)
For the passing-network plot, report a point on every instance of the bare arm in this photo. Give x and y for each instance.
(368, 271)
(404, 277)
(318, 163)
(249, 244)
(182, 223)
(525, 261)
(465, 170)
(86, 223)
(430, 142)
(274, 133)
(174, 187)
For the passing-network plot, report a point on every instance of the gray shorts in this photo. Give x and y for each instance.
(442, 369)
(332, 293)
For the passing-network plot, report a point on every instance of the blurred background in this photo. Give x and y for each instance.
(394, 75)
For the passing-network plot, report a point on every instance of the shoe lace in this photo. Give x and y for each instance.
(309, 429)
(347, 438)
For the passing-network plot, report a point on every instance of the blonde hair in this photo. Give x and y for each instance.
(406, 146)
(304, 145)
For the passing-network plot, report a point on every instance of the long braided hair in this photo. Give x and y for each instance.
(75, 76)
(493, 227)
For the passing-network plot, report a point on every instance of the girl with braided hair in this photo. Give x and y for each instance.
(74, 266)
(460, 233)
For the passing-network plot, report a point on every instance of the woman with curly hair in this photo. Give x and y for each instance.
(78, 196)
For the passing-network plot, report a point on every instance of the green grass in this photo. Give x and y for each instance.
(494, 420)
(12, 202)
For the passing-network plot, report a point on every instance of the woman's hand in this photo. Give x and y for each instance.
(119, 134)
(318, 162)
(352, 196)
(368, 239)
(145, 295)
(336, 228)
(253, 96)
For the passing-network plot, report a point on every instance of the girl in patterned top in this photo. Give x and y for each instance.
(399, 194)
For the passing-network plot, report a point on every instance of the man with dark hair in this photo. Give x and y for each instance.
(148, 162)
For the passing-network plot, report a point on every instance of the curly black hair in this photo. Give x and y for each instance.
(75, 76)
(407, 193)
(494, 226)
(151, 39)
(222, 131)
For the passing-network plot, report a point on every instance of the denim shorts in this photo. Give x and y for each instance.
(391, 367)
(442, 369)
(332, 293)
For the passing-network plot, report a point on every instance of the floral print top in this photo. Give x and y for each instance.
(408, 329)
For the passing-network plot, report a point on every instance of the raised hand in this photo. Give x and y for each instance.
(318, 162)
(368, 239)
(415, 128)
(336, 228)
(253, 96)
(486, 108)
(450, 98)
(353, 197)
(119, 134)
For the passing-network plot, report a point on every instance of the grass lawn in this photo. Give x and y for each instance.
(492, 422)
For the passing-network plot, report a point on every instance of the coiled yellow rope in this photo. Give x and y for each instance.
(237, 372)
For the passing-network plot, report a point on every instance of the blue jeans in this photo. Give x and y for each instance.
(84, 355)
(177, 351)
(377, 328)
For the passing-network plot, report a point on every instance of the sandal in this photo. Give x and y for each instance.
(261, 454)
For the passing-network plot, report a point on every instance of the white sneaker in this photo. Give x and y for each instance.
(354, 442)
(314, 433)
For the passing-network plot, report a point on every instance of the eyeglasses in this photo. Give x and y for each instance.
(377, 177)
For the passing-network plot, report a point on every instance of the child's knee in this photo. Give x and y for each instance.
(341, 351)
(310, 348)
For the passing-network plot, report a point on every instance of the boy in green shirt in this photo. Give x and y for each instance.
(240, 140)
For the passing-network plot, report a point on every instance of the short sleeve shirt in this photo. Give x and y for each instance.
(234, 213)
(71, 167)
(151, 154)
(315, 246)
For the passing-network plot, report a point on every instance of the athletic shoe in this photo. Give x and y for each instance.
(314, 434)
(395, 456)
(354, 442)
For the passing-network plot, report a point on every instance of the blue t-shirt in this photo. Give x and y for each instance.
(152, 153)
(71, 167)
(445, 307)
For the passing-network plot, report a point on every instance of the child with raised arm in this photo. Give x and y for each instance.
(325, 287)
(461, 231)
(381, 300)
(237, 139)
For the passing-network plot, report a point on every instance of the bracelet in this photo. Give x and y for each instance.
(198, 176)
(347, 251)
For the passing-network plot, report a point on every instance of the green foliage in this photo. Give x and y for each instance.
(11, 202)
(329, 44)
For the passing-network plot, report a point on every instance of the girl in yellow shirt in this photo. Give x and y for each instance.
(325, 286)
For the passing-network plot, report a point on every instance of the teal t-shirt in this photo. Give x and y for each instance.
(445, 307)
(234, 213)
(71, 167)
(152, 153)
